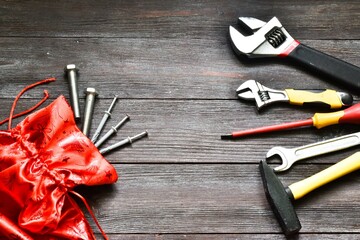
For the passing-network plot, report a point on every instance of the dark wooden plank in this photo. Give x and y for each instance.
(306, 19)
(173, 68)
(216, 198)
(189, 130)
(154, 68)
(228, 236)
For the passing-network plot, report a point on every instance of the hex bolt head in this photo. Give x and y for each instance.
(91, 90)
(71, 73)
(71, 67)
(89, 108)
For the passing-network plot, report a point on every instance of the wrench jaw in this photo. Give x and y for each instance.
(283, 153)
(249, 90)
(253, 90)
(268, 40)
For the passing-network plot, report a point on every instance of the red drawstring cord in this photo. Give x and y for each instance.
(46, 96)
(91, 213)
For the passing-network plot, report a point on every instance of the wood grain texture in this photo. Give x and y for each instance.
(216, 198)
(173, 68)
(189, 130)
(175, 19)
(155, 68)
(227, 236)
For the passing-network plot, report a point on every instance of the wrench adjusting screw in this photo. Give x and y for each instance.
(107, 114)
(72, 73)
(113, 130)
(123, 142)
(89, 108)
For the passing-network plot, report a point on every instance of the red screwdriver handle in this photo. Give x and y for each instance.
(351, 115)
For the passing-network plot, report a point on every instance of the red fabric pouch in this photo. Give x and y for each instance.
(41, 160)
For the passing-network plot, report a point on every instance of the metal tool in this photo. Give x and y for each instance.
(280, 198)
(107, 114)
(72, 72)
(272, 40)
(123, 142)
(291, 155)
(113, 130)
(319, 120)
(89, 108)
(253, 90)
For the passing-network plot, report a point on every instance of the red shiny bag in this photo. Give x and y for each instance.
(41, 160)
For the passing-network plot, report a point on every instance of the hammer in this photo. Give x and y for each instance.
(280, 197)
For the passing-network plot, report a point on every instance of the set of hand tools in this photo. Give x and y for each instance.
(255, 38)
(91, 94)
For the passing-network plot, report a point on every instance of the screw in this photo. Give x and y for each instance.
(123, 142)
(89, 107)
(72, 72)
(107, 114)
(112, 131)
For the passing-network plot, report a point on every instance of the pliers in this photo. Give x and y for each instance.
(253, 90)
(270, 39)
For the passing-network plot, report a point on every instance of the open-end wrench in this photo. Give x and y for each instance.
(272, 40)
(255, 91)
(290, 155)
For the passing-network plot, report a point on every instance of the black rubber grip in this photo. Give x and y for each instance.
(341, 72)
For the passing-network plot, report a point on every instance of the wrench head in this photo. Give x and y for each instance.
(249, 90)
(284, 155)
(266, 39)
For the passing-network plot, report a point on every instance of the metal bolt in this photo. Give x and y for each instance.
(113, 130)
(123, 142)
(107, 114)
(89, 108)
(72, 72)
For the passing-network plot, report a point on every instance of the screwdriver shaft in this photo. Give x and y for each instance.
(123, 142)
(279, 127)
(111, 131)
(107, 114)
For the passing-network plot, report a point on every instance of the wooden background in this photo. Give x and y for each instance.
(173, 68)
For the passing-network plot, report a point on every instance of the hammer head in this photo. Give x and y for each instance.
(279, 200)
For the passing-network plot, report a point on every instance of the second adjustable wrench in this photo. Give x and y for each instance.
(253, 90)
(291, 155)
(270, 39)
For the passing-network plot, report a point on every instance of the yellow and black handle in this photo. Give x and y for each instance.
(329, 98)
(348, 165)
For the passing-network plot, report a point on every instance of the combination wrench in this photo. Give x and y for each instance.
(291, 155)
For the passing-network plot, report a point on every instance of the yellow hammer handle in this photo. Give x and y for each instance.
(328, 97)
(348, 165)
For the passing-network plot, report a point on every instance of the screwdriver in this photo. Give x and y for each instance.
(123, 142)
(319, 120)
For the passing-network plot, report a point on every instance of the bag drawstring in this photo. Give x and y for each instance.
(91, 213)
(46, 96)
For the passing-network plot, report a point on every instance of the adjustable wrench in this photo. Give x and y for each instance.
(253, 90)
(290, 155)
(271, 39)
